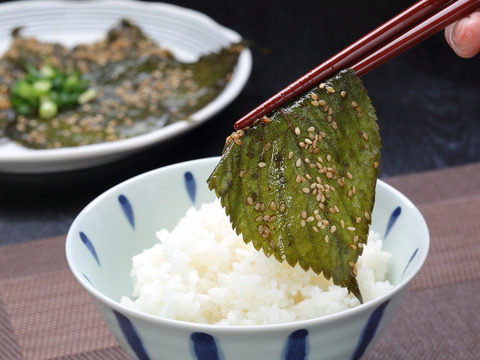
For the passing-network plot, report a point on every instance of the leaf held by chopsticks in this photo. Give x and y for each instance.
(300, 184)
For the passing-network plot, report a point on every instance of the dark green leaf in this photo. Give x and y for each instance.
(300, 184)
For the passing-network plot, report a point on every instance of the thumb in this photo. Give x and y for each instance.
(464, 35)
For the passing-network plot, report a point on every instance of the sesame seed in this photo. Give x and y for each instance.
(315, 103)
(314, 96)
(334, 125)
(242, 173)
(326, 239)
(354, 104)
(303, 223)
(343, 93)
(273, 205)
(298, 163)
(321, 86)
(267, 146)
(311, 129)
(297, 131)
(272, 218)
(290, 155)
(365, 136)
(315, 229)
(342, 224)
(330, 89)
(375, 164)
(304, 214)
(262, 164)
(351, 228)
(353, 246)
(306, 190)
(349, 175)
(367, 215)
(333, 229)
(259, 218)
(358, 220)
(249, 200)
(266, 231)
(329, 157)
(282, 208)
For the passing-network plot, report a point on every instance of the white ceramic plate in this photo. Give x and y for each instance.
(187, 33)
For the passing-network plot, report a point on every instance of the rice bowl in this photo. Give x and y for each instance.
(123, 221)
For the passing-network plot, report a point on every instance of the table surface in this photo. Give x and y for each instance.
(45, 314)
(427, 102)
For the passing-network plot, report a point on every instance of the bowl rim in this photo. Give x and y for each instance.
(191, 326)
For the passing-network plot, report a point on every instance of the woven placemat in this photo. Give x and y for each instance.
(45, 314)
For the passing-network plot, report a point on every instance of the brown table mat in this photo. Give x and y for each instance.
(45, 314)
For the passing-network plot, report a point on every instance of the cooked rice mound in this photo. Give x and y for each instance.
(203, 272)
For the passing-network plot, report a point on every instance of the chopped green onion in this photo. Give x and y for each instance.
(48, 109)
(45, 91)
(87, 96)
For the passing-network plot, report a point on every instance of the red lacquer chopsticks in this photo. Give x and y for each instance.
(413, 25)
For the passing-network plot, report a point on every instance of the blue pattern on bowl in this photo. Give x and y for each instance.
(393, 219)
(89, 246)
(131, 335)
(369, 331)
(190, 185)
(127, 209)
(296, 346)
(410, 261)
(204, 347)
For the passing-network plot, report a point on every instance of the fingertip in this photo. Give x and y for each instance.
(464, 36)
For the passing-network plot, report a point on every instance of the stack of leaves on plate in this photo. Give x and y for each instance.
(134, 86)
(300, 182)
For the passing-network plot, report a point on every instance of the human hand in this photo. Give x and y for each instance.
(463, 36)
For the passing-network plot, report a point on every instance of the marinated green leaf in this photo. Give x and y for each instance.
(300, 183)
(139, 87)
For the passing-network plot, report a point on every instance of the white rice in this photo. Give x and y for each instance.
(203, 272)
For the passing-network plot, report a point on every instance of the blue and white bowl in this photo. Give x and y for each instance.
(123, 221)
